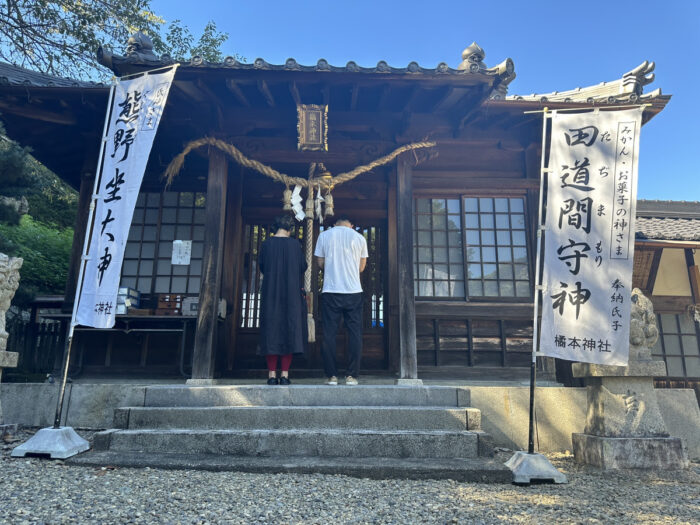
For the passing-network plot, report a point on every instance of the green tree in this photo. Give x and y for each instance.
(179, 43)
(60, 37)
(46, 253)
(51, 200)
(44, 237)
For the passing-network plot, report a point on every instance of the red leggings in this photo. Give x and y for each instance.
(286, 362)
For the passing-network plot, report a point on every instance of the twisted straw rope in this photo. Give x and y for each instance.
(176, 164)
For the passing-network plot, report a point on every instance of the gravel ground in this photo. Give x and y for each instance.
(41, 491)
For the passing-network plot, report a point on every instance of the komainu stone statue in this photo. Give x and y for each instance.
(9, 281)
(624, 426)
(643, 330)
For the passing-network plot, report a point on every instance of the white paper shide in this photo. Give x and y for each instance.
(132, 124)
(589, 236)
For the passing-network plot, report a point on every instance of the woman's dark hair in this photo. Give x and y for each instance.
(283, 222)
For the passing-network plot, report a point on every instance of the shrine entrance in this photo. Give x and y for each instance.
(247, 310)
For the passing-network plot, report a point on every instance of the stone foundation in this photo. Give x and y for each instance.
(662, 453)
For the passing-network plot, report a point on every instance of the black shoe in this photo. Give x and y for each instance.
(273, 381)
(285, 381)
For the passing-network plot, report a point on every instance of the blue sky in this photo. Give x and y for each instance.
(555, 46)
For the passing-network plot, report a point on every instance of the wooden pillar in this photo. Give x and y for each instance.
(693, 275)
(407, 305)
(392, 310)
(234, 263)
(206, 335)
(87, 180)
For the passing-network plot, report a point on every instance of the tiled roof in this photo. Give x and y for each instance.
(627, 89)
(668, 220)
(11, 75)
(472, 63)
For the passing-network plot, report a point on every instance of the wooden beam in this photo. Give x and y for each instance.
(190, 89)
(671, 303)
(234, 88)
(693, 275)
(37, 113)
(87, 182)
(466, 184)
(353, 97)
(473, 310)
(386, 89)
(391, 313)
(294, 90)
(653, 243)
(653, 272)
(262, 86)
(411, 98)
(204, 353)
(446, 93)
(407, 310)
(232, 270)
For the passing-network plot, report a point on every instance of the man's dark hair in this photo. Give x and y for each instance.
(283, 222)
(343, 218)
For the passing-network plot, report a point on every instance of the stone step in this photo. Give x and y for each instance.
(299, 417)
(299, 443)
(486, 470)
(300, 395)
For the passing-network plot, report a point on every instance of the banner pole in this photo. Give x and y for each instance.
(83, 261)
(538, 289)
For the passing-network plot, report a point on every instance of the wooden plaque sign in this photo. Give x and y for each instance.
(312, 127)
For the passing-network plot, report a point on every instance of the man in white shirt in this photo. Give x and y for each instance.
(342, 254)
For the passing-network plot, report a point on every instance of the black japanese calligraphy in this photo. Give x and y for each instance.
(578, 213)
(130, 108)
(575, 252)
(585, 136)
(579, 175)
(577, 297)
(105, 261)
(113, 186)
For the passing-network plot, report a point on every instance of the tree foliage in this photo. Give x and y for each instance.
(46, 253)
(51, 200)
(60, 37)
(45, 236)
(180, 43)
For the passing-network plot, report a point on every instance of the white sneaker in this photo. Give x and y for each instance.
(350, 381)
(332, 381)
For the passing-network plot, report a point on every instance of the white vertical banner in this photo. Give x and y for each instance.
(132, 124)
(589, 236)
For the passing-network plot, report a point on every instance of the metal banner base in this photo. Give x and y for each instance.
(530, 467)
(57, 443)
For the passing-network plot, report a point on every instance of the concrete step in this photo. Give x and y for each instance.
(299, 417)
(299, 443)
(484, 470)
(300, 395)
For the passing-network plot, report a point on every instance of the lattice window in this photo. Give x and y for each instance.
(497, 261)
(437, 242)
(160, 218)
(679, 345)
(490, 233)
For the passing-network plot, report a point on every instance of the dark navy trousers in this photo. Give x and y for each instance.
(349, 307)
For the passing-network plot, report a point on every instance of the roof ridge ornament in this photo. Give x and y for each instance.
(473, 58)
(634, 81)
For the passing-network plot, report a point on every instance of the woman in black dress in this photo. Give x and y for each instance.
(283, 330)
